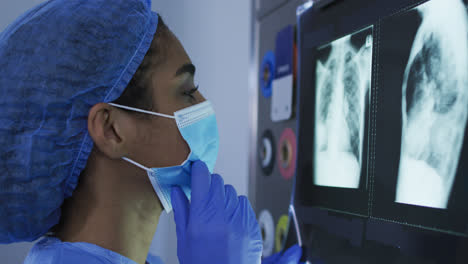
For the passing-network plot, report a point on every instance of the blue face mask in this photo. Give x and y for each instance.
(197, 125)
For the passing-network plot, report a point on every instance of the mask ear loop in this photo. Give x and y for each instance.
(156, 185)
(141, 110)
(145, 112)
(137, 164)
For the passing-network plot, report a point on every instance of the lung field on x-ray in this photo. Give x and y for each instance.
(343, 77)
(434, 104)
(426, 69)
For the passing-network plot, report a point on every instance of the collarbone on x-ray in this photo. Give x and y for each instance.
(342, 85)
(434, 105)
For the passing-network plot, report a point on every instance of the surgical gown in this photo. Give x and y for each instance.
(51, 250)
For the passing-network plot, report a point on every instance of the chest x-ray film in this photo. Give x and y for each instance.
(343, 82)
(434, 104)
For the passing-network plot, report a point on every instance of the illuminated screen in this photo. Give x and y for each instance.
(343, 81)
(434, 104)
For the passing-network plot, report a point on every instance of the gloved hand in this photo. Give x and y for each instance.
(290, 256)
(217, 226)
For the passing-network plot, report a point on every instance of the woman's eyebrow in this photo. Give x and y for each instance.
(186, 68)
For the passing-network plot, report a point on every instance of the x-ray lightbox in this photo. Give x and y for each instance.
(342, 84)
(421, 173)
(382, 111)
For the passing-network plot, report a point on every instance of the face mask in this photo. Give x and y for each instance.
(197, 125)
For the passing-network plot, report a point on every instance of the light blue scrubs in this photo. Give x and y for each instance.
(51, 250)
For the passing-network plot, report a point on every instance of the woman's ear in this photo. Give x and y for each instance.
(105, 129)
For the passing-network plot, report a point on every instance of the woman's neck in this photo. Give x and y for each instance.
(114, 206)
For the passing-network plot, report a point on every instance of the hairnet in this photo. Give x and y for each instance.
(56, 61)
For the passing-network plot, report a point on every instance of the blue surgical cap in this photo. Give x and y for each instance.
(56, 61)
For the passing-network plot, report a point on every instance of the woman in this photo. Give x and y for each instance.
(98, 108)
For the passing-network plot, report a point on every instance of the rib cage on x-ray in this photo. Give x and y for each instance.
(342, 85)
(434, 105)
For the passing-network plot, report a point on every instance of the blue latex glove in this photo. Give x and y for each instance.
(290, 256)
(217, 226)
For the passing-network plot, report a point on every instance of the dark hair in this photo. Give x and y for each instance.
(138, 94)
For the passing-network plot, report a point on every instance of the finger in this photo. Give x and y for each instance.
(231, 200)
(217, 191)
(249, 217)
(201, 182)
(245, 217)
(273, 259)
(180, 205)
(292, 255)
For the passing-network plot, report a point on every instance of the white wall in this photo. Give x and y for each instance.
(216, 35)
